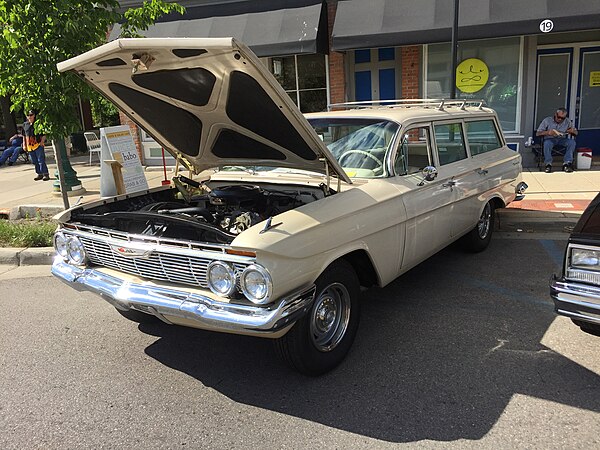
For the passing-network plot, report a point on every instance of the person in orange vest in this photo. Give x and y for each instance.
(34, 144)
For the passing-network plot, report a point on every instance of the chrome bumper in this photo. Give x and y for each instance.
(576, 300)
(203, 311)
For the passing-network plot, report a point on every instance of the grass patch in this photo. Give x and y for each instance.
(27, 233)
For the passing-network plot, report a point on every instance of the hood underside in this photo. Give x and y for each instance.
(209, 102)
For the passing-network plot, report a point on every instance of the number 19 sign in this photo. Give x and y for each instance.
(546, 26)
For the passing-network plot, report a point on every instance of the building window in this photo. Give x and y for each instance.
(376, 74)
(503, 59)
(304, 78)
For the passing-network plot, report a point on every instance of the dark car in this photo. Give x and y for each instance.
(576, 292)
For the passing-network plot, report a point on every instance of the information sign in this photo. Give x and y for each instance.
(117, 144)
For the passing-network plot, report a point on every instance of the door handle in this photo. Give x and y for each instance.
(482, 171)
(449, 184)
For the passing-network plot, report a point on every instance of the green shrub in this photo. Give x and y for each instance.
(26, 233)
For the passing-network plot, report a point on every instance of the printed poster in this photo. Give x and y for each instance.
(117, 144)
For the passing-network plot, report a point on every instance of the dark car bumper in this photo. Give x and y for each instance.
(576, 300)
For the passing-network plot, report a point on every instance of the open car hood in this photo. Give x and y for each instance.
(210, 102)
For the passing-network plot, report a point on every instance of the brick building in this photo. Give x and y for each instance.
(524, 58)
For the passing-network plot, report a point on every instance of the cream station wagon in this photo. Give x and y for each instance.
(283, 218)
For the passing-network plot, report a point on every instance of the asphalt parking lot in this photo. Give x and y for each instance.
(463, 351)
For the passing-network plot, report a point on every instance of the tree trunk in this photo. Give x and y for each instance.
(10, 126)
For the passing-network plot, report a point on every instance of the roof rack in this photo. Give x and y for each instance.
(434, 103)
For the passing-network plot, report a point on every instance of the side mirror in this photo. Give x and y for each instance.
(430, 173)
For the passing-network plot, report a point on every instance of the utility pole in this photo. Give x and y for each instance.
(454, 50)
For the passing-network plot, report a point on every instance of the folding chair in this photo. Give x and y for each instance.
(538, 151)
(93, 144)
(24, 155)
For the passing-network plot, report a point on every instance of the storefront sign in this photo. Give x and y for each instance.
(471, 75)
(595, 79)
(546, 26)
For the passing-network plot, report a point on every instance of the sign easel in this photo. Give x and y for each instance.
(121, 171)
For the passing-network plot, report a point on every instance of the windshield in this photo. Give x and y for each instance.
(359, 145)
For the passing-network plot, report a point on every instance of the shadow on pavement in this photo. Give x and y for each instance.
(535, 221)
(439, 353)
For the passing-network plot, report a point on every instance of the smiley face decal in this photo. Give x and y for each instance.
(471, 75)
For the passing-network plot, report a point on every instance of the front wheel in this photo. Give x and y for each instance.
(479, 237)
(319, 341)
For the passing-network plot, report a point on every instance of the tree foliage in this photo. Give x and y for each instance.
(37, 34)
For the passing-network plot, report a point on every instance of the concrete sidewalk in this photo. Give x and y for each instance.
(19, 190)
(559, 191)
(552, 203)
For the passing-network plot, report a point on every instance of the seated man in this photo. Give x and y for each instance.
(556, 130)
(16, 145)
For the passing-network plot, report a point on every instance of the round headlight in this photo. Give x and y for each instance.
(256, 284)
(221, 278)
(75, 251)
(60, 244)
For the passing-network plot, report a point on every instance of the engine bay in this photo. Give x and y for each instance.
(207, 212)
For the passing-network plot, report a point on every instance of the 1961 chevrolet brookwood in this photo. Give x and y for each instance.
(284, 217)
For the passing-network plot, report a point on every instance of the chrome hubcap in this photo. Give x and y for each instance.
(329, 317)
(485, 221)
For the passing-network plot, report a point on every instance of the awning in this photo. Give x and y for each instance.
(385, 23)
(277, 31)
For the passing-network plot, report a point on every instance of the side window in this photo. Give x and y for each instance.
(450, 143)
(414, 152)
(482, 136)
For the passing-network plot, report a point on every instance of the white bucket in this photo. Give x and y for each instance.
(584, 158)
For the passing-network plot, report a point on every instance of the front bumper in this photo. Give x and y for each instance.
(173, 305)
(576, 300)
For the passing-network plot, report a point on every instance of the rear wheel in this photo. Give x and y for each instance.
(320, 340)
(137, 316)
(479, 237)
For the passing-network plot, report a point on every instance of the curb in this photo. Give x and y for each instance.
(521, 222)
(33, 256)
(24, 211)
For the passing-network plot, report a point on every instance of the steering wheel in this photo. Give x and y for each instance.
(361, 152)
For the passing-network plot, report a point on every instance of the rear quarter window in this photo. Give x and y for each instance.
(482, 136)
(450, 143)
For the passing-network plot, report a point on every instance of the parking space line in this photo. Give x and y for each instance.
(510, 293)
(553, 250)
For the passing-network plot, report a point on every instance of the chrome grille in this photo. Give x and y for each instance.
(584, 275)
(158, 265)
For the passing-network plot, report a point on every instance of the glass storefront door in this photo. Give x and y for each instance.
(587, 113)
(553, 82)
(570, 77)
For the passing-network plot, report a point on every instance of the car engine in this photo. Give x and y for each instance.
(199, 212)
